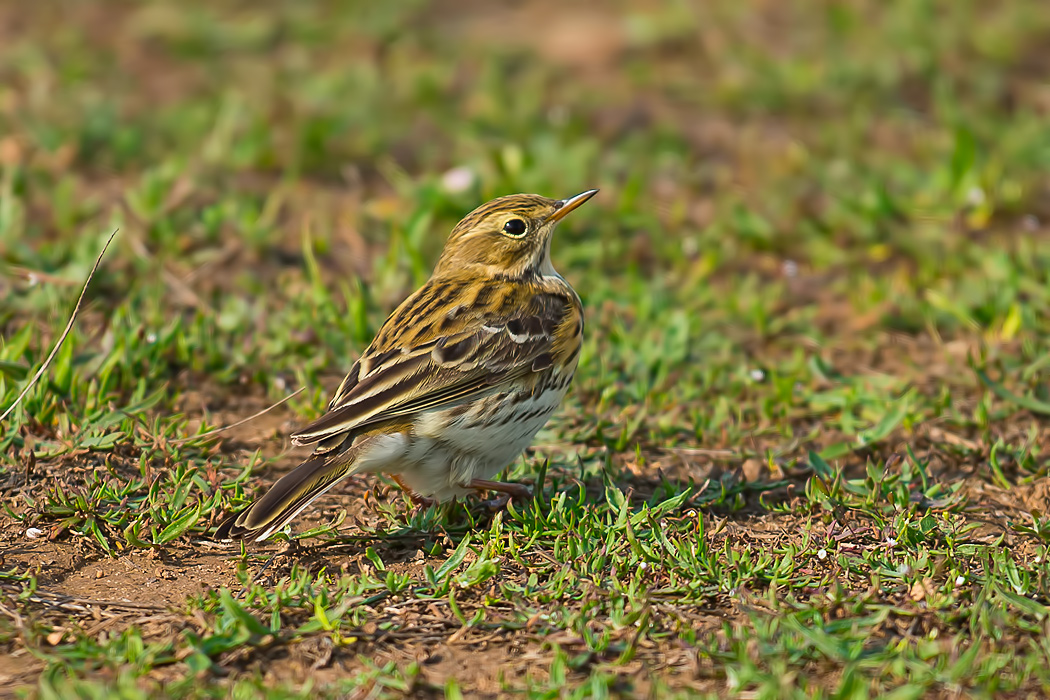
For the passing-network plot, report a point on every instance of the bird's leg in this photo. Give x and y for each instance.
(417, 500)
(519, 491)
(510, 490)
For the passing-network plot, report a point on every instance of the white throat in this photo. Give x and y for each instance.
(546, 267)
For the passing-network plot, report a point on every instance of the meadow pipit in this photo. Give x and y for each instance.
(459, 379)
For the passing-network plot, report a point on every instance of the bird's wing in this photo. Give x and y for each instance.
(465, 355)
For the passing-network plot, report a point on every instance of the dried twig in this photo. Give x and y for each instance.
(241, 422)
(701, 452)
(65, 333)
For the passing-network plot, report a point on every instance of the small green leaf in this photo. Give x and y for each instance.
(131, 536)
(1029, 402)
(453, 561)
(180, 524)
(237, 611)
(15, 370)
(819, 465)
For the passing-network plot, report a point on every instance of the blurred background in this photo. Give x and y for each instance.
(729, 138)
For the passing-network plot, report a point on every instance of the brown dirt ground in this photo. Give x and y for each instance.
(81, 589)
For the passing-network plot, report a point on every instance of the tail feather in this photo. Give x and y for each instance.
(289, 496)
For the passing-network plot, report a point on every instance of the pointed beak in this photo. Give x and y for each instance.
(567, 205)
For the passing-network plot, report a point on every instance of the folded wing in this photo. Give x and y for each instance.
(480, 352)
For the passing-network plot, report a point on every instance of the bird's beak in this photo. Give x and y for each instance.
(567, 205)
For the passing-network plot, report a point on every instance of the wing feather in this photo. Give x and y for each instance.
(480, 352)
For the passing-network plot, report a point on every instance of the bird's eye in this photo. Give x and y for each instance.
(515, 228)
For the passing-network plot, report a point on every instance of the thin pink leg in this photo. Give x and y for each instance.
(417, 500)
(518, 491)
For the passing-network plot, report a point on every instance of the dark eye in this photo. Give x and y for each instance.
(515, 227)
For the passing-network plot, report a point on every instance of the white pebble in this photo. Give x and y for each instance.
(34, 533)
(457, 179)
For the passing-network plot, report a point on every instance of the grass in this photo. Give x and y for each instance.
(805, 453)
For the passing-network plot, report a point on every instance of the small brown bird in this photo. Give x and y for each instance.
(459, 379)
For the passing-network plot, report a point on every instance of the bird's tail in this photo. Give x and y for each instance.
(287, 498)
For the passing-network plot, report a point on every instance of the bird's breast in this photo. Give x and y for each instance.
(499, 425)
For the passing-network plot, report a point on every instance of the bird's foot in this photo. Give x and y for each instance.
(510, 491)
(420, 502)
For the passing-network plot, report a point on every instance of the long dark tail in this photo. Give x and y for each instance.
(289, 496)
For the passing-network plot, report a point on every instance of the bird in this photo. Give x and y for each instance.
(459, 378)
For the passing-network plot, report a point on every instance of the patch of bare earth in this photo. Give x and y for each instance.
(82, 591)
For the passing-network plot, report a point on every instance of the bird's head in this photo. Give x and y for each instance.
(508, 236)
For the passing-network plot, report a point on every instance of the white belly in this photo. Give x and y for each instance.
(451, 447)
